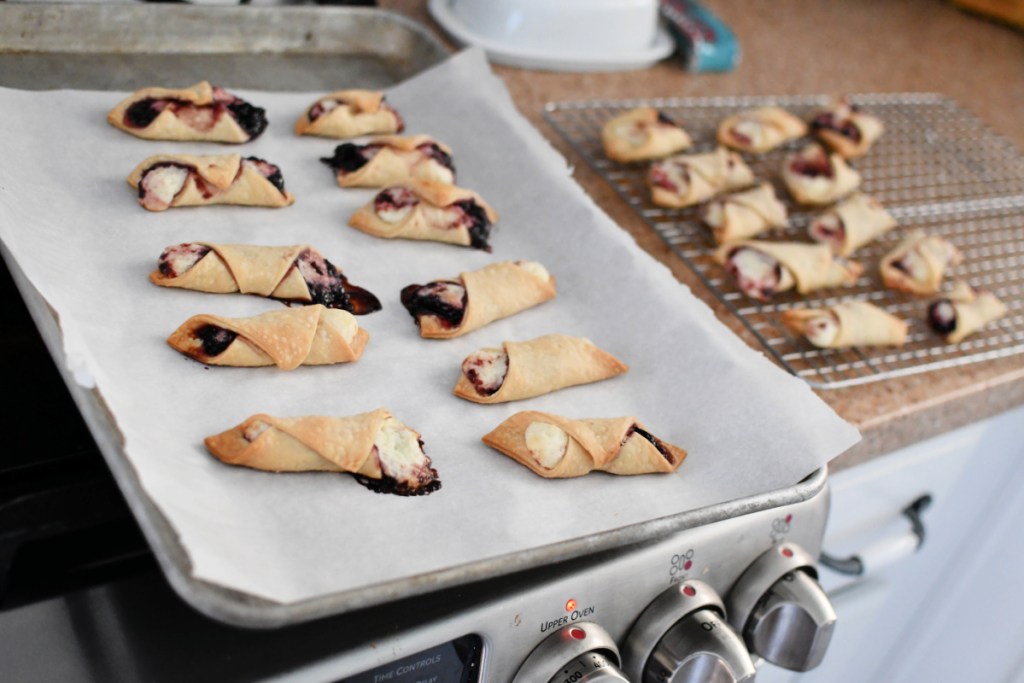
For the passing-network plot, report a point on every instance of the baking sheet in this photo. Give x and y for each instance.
(74, 227)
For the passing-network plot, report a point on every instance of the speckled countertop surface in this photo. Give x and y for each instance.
(793, 47)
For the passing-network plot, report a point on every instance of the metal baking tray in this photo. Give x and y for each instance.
(27, 33)
(937, 167)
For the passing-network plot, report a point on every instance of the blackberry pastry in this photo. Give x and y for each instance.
(173, 180)
(813, 176)
(762, 269)
(852, 223)
(642, 134)
(963, 312)
(349, 114)
(760, 130)
(850, 323)
(745, 214)
(687, 179)
(392, 160)
(918, 264)
(846, 130)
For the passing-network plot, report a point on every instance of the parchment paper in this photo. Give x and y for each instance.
(76, 229)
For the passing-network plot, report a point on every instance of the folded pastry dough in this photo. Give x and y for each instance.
(428, 210)
(744, 214)
(521, 370)
(202, 112)
(762, 269)
(392, 160)
(845, 129)
(918, 263)
(850, 323)
(349, 114)
(168, 180)
(687, 179)
(851, 224)
(813, 176)
(297, 273)
(642, 134)
(451, 308)
(760, 130)
(384, 455)
(310, 335)
(557, 447)
(964, 312)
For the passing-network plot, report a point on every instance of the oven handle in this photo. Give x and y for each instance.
(888, 550)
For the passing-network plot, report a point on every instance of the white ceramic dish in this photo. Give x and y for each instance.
(586, 54)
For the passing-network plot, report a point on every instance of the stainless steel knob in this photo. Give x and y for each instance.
(781, 611)
(700, 648)
(582, 652)
(682, 637)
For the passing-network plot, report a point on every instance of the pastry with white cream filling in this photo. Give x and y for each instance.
(852, 223)
(847, 130)
(850, 323)
(392, 160)
(813, 176)
(171, 180)
(687, 179)
(762, 269)
(349, 114)
(918, 264)
(745, 214)
(642, 134)
(760, 130)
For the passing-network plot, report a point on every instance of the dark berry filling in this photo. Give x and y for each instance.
(432, 151)
(215, 339)
(394, 198)
(475, 219)
(251, 119)
(667, 454)
(329, 287)
(350, 157)
(665, 120)
(741, 138)
(659, 177)
(427, 482)
(140, 114)
(270, 171)
(812, 166)
(828, 121)
(421, 300)
(187, 251)
(942, 316)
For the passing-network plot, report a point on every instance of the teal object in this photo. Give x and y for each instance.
(705, 42)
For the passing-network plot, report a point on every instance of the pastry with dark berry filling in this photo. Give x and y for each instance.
(392, 160)
(349, 114)
(763, 269)
(963, 312)
(451, 308)
(307, 335)
(850, 323)
(760, 130)
(918, 264)
(847, 130)
(521, 370)
(688, 179)
(852, 223)
(297, 274)
(742, 215)
(203, 112)
(643, 134)
(428, 210)
(813, 176)
(556, 447)
(381, 453)
(166, 181)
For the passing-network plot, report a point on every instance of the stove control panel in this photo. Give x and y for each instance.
(782, 613)
(682, 636)
(580, 653)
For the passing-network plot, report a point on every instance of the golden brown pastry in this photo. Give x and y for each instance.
(521, 370)
(687, 179)
(383, 454)
(745, 214)
(349, 114)
(392, 160)
(760, 130)
(850, 323)
(451, 308)
(307, 335)
(296, 273)
(964, 312)
(813, 176)
(762, 269)
(847, 130)
(918, 263)
(428, 210)
(169, 180)
(642, 134)
(851, 224)
(202, 112)
(557, 447)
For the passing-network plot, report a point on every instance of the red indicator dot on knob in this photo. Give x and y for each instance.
(577, 633)
(789, 518)
(689, 591)
(787, 552)
(688, 564)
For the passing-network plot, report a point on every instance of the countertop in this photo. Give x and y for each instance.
(792, 47)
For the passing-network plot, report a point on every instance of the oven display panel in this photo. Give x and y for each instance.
(457, 661)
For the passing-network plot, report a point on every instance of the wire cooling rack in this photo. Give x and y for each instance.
(937, 168)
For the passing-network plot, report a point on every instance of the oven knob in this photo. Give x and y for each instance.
(682, 637)
(579, 653)
(784, 615)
